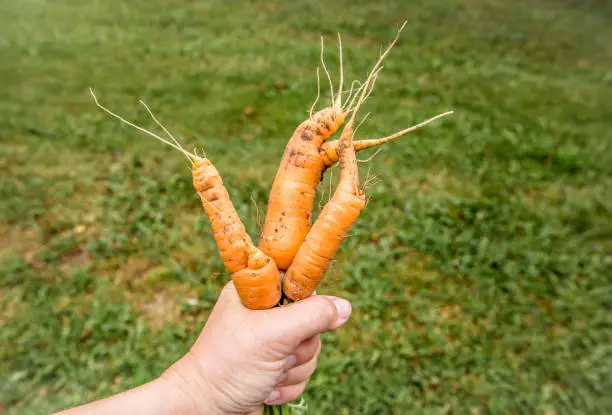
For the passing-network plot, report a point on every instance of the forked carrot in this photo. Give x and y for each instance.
(340, 213)
(307, 156)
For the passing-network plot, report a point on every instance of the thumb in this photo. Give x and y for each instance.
(299, 321)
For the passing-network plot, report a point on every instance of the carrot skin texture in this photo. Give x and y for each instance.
(292, 196)
(259, 284)
(255, 275)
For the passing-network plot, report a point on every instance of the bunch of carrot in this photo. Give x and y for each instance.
(293, 254)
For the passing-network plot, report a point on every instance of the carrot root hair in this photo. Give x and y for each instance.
(318, 94)
(336, 98)
(175, 144)
(367, 160)
(368, 143)
(339, 94)
(371, 79)
(331, 84)
(350, 91)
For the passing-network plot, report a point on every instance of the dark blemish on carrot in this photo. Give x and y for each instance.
(306, 136)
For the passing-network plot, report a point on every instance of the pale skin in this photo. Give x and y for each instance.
(242, 360)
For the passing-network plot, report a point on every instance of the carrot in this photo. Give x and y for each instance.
(306, 158)
(255, 275)
(331, 227)
(340, 213)
(292, 196)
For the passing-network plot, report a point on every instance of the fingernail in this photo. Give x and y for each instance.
(290, 362)
(281, 378)
(344, 308)
(274, 395)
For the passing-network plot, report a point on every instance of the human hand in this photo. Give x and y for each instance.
(245, 358)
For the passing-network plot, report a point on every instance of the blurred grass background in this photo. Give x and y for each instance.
(480, 272)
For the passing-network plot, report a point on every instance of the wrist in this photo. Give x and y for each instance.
(190, 392)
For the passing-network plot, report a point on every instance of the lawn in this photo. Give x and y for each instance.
(480, 272)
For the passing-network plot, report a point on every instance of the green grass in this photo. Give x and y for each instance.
(480, 271)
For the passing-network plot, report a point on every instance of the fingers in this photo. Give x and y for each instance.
(286, 394)
(307, 355)
(307, 350)
(299, 374)
(294, 381)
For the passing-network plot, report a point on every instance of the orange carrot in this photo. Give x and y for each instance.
(292, 196)
(331, 227)
(306, 157)
(338, 215)
(254, 274)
